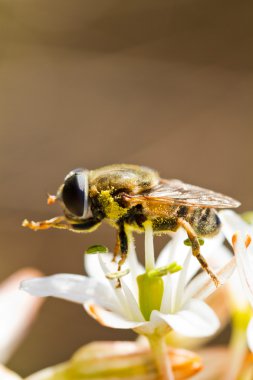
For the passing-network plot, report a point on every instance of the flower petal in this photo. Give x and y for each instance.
(195, 319)
(110, 319)
(71, 287)
(244, 266)
(134, 307)
(59, 371)
(232, 222)
(202, 285)
(17, 312)
(250, 335)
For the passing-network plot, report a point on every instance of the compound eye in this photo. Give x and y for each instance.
(75, 192)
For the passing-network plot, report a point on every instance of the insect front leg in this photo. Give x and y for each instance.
(61, 222)
(196, 250)
(116, 247)
(57, 222)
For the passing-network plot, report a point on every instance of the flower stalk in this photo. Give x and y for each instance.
(160, 351)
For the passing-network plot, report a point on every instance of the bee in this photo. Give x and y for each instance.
(127, 196)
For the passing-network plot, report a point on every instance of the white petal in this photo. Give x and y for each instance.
(133, 305)
(195, 319)
(109, 266)
(17, 312)
(75, 288)
(202, 285)
(250, 335)
(237, 293)
(218, 256)
(93, 267)
(110, 319)
(232, 222)
(244, 266)
(212, 250)
(179, 290)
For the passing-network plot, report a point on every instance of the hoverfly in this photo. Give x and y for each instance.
(129, 195)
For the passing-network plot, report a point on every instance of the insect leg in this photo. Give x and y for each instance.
(123, 245)
(196, 250)
(117, 247)
(61, 222)
(57, 222)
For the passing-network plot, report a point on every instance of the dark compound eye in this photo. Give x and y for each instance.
(74, 192)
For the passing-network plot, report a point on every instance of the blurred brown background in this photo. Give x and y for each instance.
(167, 84)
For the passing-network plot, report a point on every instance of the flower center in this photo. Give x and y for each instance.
(151, 288)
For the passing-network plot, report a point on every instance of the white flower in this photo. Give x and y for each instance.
(239, 234)
(181, 306)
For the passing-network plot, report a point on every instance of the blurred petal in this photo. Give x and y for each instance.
(6, 374)
(57, 372)
(250, 335)
(71, 287)
(244, 265)
(17, 312)
(215, 361)
(232, 222)
(128, 360)
(237, 296)
(119, 360)
(195, 319)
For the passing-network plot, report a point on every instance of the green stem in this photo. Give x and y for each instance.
(161, 356)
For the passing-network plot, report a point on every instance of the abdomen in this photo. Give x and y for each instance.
(204, 221)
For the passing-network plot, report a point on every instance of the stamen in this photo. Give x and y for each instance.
(149, 246)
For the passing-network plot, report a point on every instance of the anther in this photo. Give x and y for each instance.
(95, 249)
(117, 275)
(163, 271)
(247, 241)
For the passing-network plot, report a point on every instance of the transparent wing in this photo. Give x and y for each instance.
(176, 192)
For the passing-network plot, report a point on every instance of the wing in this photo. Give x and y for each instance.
(176, 192)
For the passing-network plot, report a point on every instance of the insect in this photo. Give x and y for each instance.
(129, 195)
